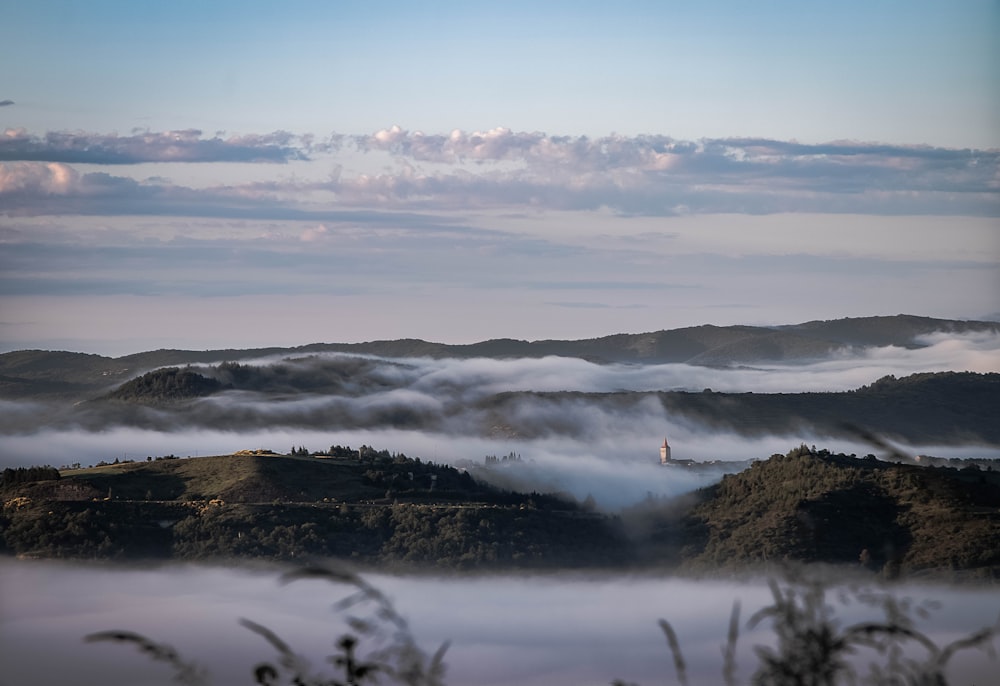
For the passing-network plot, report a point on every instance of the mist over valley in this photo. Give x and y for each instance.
(496, 344)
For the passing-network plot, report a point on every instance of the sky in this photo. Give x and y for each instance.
(251, 174)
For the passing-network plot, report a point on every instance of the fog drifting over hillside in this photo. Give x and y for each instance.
(443, 410)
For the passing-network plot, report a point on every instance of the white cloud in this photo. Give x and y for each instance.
(500, 168)
(314, 233)
(43, 178)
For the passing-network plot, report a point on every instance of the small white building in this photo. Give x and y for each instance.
(665, 453)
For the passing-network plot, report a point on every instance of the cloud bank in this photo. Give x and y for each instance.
(187, 145)
(502, 169)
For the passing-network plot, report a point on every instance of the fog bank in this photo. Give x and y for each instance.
(617, 468)
(504, 630)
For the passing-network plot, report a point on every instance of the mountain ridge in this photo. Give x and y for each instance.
(69, 375)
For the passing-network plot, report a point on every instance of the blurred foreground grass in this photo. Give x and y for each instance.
(809, 644)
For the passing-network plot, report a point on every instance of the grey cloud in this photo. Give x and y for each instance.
(503, 170)
(168, 146)
(54, 188)
(6, 103)
(661, 175)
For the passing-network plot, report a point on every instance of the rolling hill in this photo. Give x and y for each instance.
(373, 508)
(812, 506)
(38, 374)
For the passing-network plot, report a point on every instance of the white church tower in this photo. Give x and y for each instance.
(665, 452)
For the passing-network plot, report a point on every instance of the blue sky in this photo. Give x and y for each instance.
(200, 174)
(915, 72)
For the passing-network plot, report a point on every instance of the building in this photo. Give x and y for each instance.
(665, 453)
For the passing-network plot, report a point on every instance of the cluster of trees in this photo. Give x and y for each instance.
(510, 457)
(411, 535)
(21, 475)
(170, 383)
(365, 452)
(62, 529)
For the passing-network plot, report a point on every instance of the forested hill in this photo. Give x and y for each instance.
(926, 408)
(366, 506)
(944, 407)
(374, 508)
(36, 373)
(812, 506)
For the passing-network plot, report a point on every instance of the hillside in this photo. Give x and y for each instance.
(165, 385)
(345, 393)
(816, 507)
(373, 508)
(945, 407)
(37, 374)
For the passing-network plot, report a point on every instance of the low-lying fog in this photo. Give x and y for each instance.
(619, 467)
(441, 410)
(504, 630)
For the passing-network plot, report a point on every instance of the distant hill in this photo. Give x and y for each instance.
(74, 376)
(945, 407)
(165, 385)
(926, 408)
(816, 507)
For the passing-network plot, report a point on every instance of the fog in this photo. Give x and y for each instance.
(478, 377)
(457, 411)
(618, 465)
(504, 630)
(523, 630)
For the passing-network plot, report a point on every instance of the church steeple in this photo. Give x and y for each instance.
(665, 452)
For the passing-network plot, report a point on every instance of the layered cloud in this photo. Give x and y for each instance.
(501, 169)
(188, 145)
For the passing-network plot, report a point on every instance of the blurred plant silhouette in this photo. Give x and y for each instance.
(809, 647)
(393, 651)
(812, 649)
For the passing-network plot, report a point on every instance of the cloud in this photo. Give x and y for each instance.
(168, 146)
(6, 103)
(314, 233)
(505, 170)
(37, 179)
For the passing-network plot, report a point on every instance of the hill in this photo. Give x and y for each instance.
(944, 407)
(373, 508)
(345, 393)
(165, 385)
(28, 374)
(812, 506)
